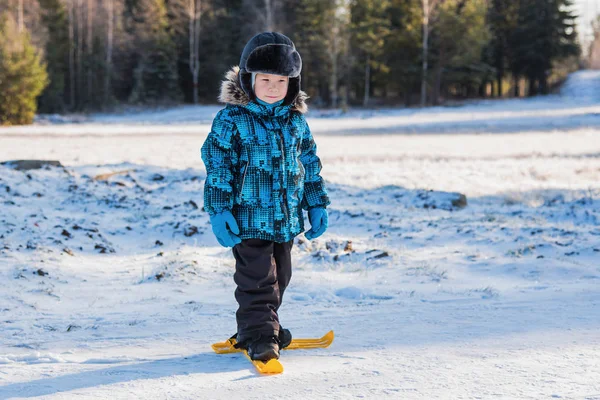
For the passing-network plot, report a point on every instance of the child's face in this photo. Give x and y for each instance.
(270, 88)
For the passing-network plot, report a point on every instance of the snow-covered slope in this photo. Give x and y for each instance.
(115, 288)
(582, 87)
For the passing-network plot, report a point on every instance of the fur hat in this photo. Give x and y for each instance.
(271, 53)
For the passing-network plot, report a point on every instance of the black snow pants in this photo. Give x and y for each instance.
(263, 270)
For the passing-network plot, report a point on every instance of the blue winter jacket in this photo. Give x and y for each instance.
(262, 165)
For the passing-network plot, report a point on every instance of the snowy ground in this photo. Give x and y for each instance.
(116, 288)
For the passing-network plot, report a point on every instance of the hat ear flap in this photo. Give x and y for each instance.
(293, 91)
(246, 84)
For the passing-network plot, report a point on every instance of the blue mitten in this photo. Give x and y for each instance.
(319, 221)
(225, 229)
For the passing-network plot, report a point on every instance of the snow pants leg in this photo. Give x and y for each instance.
(263, 270)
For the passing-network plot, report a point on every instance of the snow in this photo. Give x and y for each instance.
(116, 288)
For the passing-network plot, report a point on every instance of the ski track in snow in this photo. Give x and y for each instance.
(116, 288)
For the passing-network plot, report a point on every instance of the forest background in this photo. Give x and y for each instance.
(64, 56)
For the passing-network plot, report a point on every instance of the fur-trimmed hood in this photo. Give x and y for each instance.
(232, 93)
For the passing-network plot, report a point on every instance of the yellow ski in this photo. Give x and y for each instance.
(274, 366)
(297, 344)
(270, 367)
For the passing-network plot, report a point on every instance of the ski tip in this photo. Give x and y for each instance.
(271, 367)
(328, 338)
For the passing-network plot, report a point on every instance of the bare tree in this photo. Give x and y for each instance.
(20, 17)
(79, 49)
(90, 47)
(367, 80)
(338, 45)
(333, 87)
(429, 8)
(194, 13)
(110, 11)
(269, 15)
(261, 16)
(71, 55)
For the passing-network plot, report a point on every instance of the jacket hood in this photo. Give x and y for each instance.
(232, 93)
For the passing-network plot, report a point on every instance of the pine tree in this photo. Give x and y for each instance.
(23, 74)
(221, 44)
(503, 19)
(54, 17)
(312, 22)
(403, 50)
(459, 38)
(546, 33)
(371, 28)
(155, 76)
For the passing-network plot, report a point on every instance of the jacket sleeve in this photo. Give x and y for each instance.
(219, 156)
(315, 194)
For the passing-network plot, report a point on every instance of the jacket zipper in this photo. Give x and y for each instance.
(286, 211)
(243, 178)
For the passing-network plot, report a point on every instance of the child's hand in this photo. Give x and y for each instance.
(225, 229)
(319, 220)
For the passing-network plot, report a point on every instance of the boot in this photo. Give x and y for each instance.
(285, 338)
(264, 349)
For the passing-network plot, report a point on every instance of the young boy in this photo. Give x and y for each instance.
(262, 171)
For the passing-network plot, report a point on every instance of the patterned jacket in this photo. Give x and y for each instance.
(261, 165)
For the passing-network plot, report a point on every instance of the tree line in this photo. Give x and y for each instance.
(80, 55)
